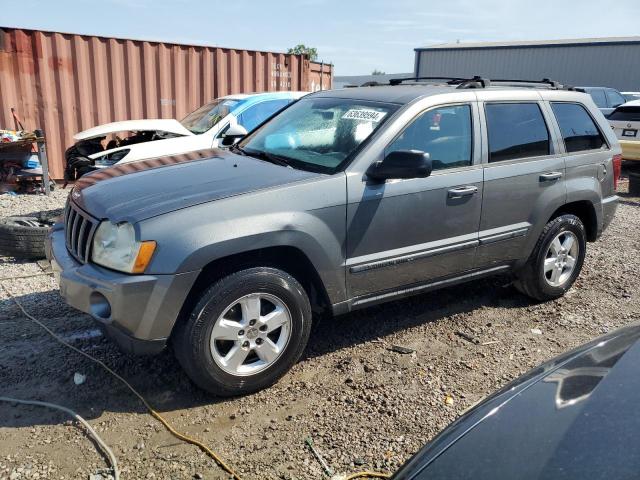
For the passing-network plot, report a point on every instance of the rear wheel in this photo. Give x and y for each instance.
(556, 260)
(247, 330)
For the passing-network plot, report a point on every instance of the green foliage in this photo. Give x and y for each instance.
(377, 72)
(302, 49)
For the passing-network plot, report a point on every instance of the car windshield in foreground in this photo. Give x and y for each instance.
(318, 134)
(204, 118)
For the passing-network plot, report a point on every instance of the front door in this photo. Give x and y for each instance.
(407, 232)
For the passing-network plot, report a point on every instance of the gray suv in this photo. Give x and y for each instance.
(345, 199)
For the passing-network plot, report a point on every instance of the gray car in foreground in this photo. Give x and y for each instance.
(345, 199)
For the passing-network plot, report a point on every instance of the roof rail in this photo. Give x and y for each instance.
(545, 81)
(450, 80)
(475, 82)
(481, 82)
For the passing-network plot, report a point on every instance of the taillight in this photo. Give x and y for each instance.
(617, 169)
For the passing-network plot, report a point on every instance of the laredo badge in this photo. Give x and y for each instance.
(366, 115)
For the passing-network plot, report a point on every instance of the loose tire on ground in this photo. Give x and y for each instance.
(194, 338)
(23, 237)
(532, 279)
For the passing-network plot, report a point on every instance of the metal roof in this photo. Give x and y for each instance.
(405, 93)
(399, 94)
(535, 43)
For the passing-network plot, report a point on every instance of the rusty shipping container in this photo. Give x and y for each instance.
(65, 83)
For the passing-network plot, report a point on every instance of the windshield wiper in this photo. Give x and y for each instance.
(237, 149)
(269, 157)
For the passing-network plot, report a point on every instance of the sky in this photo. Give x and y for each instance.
(356, 36)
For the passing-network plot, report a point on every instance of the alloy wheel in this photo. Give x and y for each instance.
(561, 258)
(251, 334)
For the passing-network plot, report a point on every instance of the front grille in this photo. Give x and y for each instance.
(79, 228)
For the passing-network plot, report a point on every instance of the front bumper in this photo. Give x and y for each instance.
(137, 311)
(630, 149)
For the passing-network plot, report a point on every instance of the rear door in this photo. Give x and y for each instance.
(524, 174)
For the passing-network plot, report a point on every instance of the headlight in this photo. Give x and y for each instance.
(115, 247)
(111, 158)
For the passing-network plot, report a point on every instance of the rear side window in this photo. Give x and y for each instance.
(516, 130)
(597, 94)
(614, 98)
(626, 114)
(577, 127)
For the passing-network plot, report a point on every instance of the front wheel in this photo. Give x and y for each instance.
(247, 330)
(556, 260)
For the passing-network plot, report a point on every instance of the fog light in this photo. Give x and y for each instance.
(100, 306)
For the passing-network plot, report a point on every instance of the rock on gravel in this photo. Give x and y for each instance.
(365, 407)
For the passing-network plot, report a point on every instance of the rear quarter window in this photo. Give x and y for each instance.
(578, 129)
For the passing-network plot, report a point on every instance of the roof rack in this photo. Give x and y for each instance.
(481, 82)
(449, 80)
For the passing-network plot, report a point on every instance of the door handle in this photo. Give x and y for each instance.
(549, 176)
(460, 192)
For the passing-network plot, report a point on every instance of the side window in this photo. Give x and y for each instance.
(577, 127)
(614, 98)
(445, 133)
(597, 94)
(516, 130)
(256, 114)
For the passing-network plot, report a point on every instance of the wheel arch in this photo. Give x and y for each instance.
(287, 258)
(586, 212)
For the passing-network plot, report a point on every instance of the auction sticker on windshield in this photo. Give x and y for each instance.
(368, 115)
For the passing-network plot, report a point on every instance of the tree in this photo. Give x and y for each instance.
(302, 49)
(377, 72)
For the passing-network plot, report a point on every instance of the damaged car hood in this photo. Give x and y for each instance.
(139, 190)
(163, 125)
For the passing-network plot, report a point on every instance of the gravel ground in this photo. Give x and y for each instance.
(365, 405)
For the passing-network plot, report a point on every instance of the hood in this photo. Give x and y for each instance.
(138, 190)
(169, 125)
(574, 417)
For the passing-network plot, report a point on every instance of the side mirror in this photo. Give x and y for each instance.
(401, 164)
(234, 134)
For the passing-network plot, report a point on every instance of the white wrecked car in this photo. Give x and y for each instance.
(201, 129)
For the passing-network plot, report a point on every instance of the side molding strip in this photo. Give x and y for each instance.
(428, 286)
(503, 236)
(365, 267)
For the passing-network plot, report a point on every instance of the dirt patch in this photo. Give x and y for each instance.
(365, 404)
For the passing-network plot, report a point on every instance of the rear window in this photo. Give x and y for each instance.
(578, 129)
(614, 98)
(516, 130)
(628, 114)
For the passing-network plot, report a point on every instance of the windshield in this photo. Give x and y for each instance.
(318, 134)
(208, 115)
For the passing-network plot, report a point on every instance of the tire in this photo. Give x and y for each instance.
(552, 281)
(23, 237)
(205, 361)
